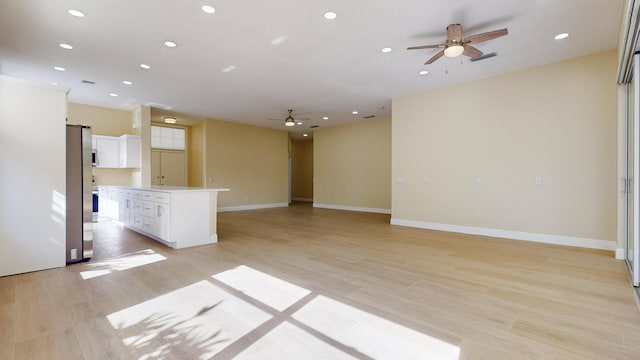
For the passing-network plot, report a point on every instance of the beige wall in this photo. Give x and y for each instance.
(251, 161)
(196, 155)
(142, 119)
(352, 166)
(108, 122)
(103, 121)
(557, 122)
(302, 170)
(32, 176)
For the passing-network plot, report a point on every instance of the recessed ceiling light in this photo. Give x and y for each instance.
(66, 46)
(54, 83)
(127, 82)
(279, 40)
(170, 44)
(386, 50)
(59, 68)
(299, 123)
(305, 135)
(561, 36)
(325, 118)
(76, 13)
(354, 112)
(145, 66)
(208, 9)
(423, 72)
(229, 68)
(330, 15)
(113, 94)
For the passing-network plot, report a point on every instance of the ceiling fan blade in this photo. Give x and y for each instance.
(483, 57)
(454, 33)
(471, 52)
(486, 36)
(426, 47)
(435, 57)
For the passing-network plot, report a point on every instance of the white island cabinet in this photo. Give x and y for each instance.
(176, 216)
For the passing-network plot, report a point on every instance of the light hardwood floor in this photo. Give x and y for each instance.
(305, 283)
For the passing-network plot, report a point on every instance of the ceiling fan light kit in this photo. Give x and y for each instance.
(453, 50)
(290, 120)
(456, 45)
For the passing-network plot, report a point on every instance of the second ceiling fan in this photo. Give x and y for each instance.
(456, 45)
(290, 120)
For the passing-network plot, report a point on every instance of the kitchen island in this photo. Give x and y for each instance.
(178, 217)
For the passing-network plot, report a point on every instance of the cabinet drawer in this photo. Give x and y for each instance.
(162, 197)
(136, 194)
(148, 208)
(137, 222)
(148, 225)
(137, 207)
(147, 195)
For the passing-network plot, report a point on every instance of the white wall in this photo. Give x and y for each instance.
(32, 176)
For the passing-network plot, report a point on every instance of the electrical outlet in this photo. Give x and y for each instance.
(210, 179)
(538, 180)
(477, 179)
(74, 254)
(247, 199)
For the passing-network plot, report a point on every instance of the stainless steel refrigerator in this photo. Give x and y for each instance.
(79, 197)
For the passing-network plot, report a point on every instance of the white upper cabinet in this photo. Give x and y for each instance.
(117, 152)
(107, 151)
(130, 151)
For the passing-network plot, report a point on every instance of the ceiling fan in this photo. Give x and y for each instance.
(290, 120)
(456, 45)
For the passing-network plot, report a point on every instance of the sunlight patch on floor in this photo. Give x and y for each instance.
(267, 289)
(202, 319)
(366, 333)
(372, 335)
(289, 342)
(198, 321)
(120, 263)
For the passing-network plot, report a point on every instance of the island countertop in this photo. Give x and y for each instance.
(167, 188)
(177, 216)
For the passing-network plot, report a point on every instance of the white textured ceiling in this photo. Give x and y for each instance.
(286, 55)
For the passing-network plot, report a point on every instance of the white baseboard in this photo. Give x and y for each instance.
(352, 208)
(251, 207)
(302, 199)
(514, 235)
(620, 253)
